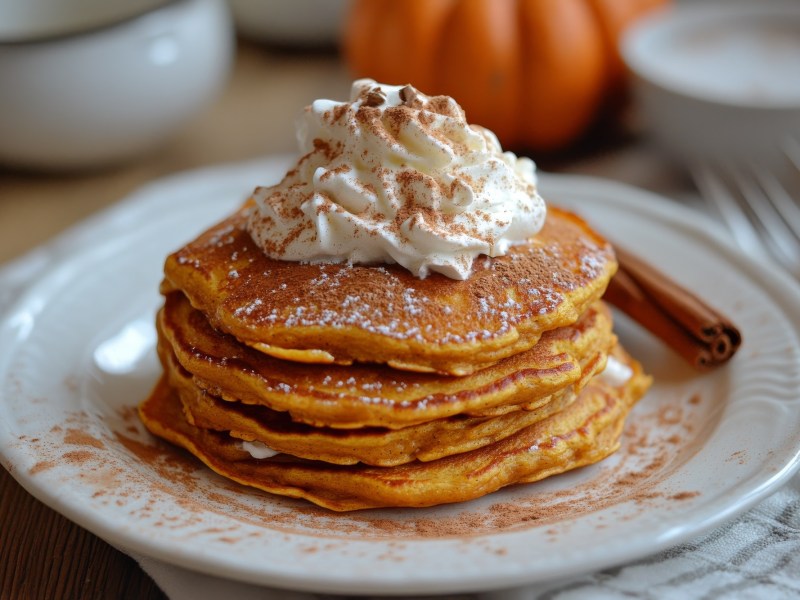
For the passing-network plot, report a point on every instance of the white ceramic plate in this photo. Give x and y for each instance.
(77, 356)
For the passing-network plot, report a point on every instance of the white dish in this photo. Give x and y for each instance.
(97, 97)
(78, 356)
(310, 23)
(38, 19)
(718, 80)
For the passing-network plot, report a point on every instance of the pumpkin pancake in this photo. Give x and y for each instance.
(343, 313)
(399, 322)
(375, 395)
(371, 445)
(585, 431)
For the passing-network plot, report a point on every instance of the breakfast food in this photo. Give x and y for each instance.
(399, 322)
(411, 406)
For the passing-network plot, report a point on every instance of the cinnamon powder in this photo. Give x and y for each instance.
(169, 477)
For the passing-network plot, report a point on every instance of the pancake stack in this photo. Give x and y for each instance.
(362, 386)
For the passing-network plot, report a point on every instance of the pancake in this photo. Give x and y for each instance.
(363, 383)
(370, 445)
(342, 313)
(375, 395)
(584, 432)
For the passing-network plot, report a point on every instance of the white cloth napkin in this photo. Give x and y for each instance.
(755, 556)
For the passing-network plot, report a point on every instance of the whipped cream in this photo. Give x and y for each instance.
(395, 176)
(258, 450)
(616, 373)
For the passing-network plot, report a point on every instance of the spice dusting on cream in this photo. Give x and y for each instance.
(395, 176)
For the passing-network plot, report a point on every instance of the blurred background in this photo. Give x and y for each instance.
(99, 98)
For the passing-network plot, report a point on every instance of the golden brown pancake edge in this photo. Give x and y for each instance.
(344, 313)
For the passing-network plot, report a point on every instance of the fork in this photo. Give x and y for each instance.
(756, 204)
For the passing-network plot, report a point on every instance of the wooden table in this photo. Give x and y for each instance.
(42, 554)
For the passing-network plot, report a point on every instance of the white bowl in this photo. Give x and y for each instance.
(718, 80)
(290, 22)
(28, 20)
(90, 99)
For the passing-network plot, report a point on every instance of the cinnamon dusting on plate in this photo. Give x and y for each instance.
(169, 489)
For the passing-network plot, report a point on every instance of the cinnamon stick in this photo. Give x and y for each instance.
(697, 332)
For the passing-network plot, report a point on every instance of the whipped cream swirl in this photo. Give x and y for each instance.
(397, 176)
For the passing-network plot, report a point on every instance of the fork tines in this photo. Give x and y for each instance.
(756, 204)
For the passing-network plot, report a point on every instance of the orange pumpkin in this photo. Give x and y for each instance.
(536, 72)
